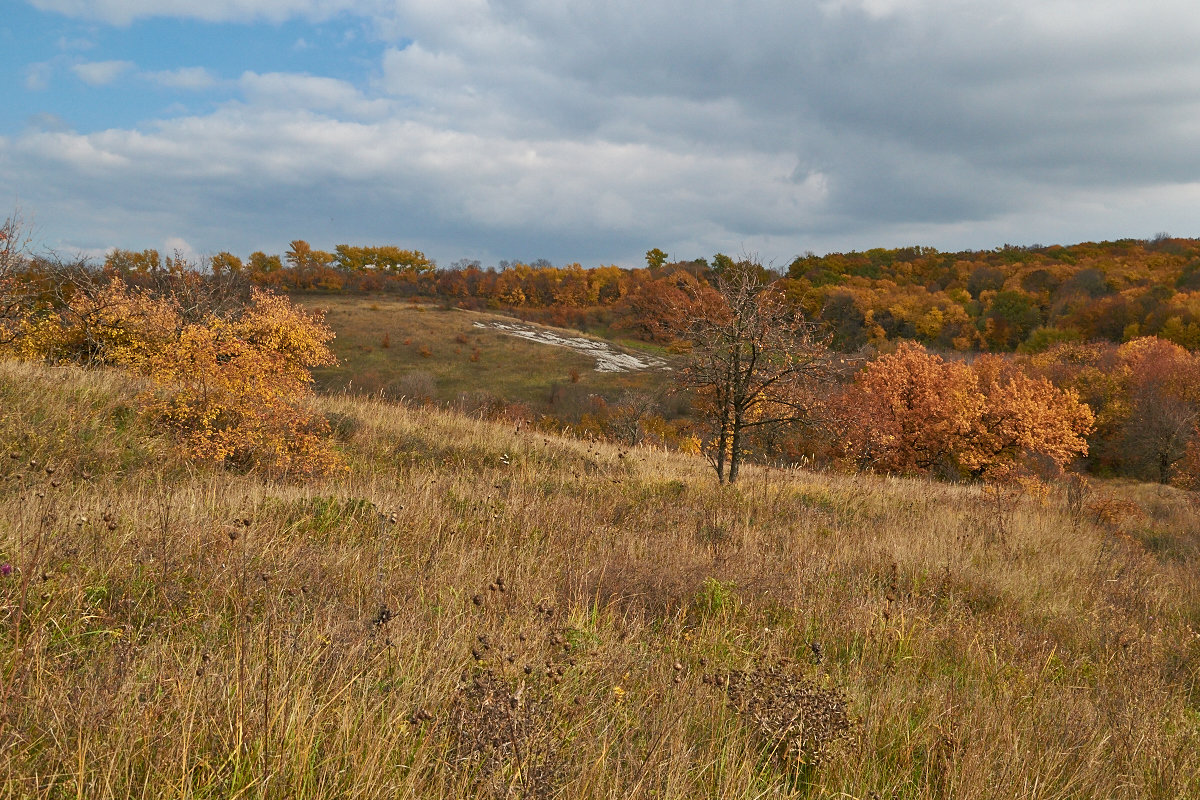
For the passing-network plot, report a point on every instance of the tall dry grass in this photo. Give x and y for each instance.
(480, 611)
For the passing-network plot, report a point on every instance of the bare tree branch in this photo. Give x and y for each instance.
(754, 361)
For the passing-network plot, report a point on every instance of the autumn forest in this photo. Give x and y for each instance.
(1097, 340)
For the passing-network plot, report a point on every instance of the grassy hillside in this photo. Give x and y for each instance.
(394, 347)
(475, 611)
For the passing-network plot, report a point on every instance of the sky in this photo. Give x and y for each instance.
(593, 131)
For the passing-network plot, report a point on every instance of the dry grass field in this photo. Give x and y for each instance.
(391, 347)
(476, 611)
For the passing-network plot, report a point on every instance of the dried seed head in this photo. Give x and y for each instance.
(382, 616)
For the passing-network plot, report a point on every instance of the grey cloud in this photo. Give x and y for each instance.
(595, 131)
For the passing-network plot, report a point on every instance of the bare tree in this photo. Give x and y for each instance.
(80, 296)
(632, 408)
(755, 361)
(198, 294)
(1160, 429)
(14, 292)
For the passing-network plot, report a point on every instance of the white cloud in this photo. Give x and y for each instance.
(101, 73)
(285, 90)
(47, 121)
(89, 155)
(872, 8)
(189, 78)
(37, 76)
(178, 245)
(123, 12)
(411, 180)
(77, 44)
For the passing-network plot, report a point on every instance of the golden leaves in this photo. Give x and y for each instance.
(233, 390)
(231, 387)
(912, 412)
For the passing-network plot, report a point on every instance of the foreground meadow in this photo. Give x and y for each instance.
(478, 610)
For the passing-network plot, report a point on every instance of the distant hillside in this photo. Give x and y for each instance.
(997, 300)
(419, 351)
(1011, 298)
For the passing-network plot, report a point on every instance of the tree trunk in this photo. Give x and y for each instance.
(719, 460)
(735, 454)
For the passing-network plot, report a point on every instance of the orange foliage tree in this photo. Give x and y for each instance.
(1162, 430)
(1146, 394)
(1024, 417)
(912, 412)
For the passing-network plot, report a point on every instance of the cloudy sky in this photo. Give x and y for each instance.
(593, 131)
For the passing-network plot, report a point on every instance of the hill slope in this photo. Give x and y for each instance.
(546, 617)
(401, 349)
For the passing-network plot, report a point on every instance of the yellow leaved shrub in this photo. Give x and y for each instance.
(232, 387)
